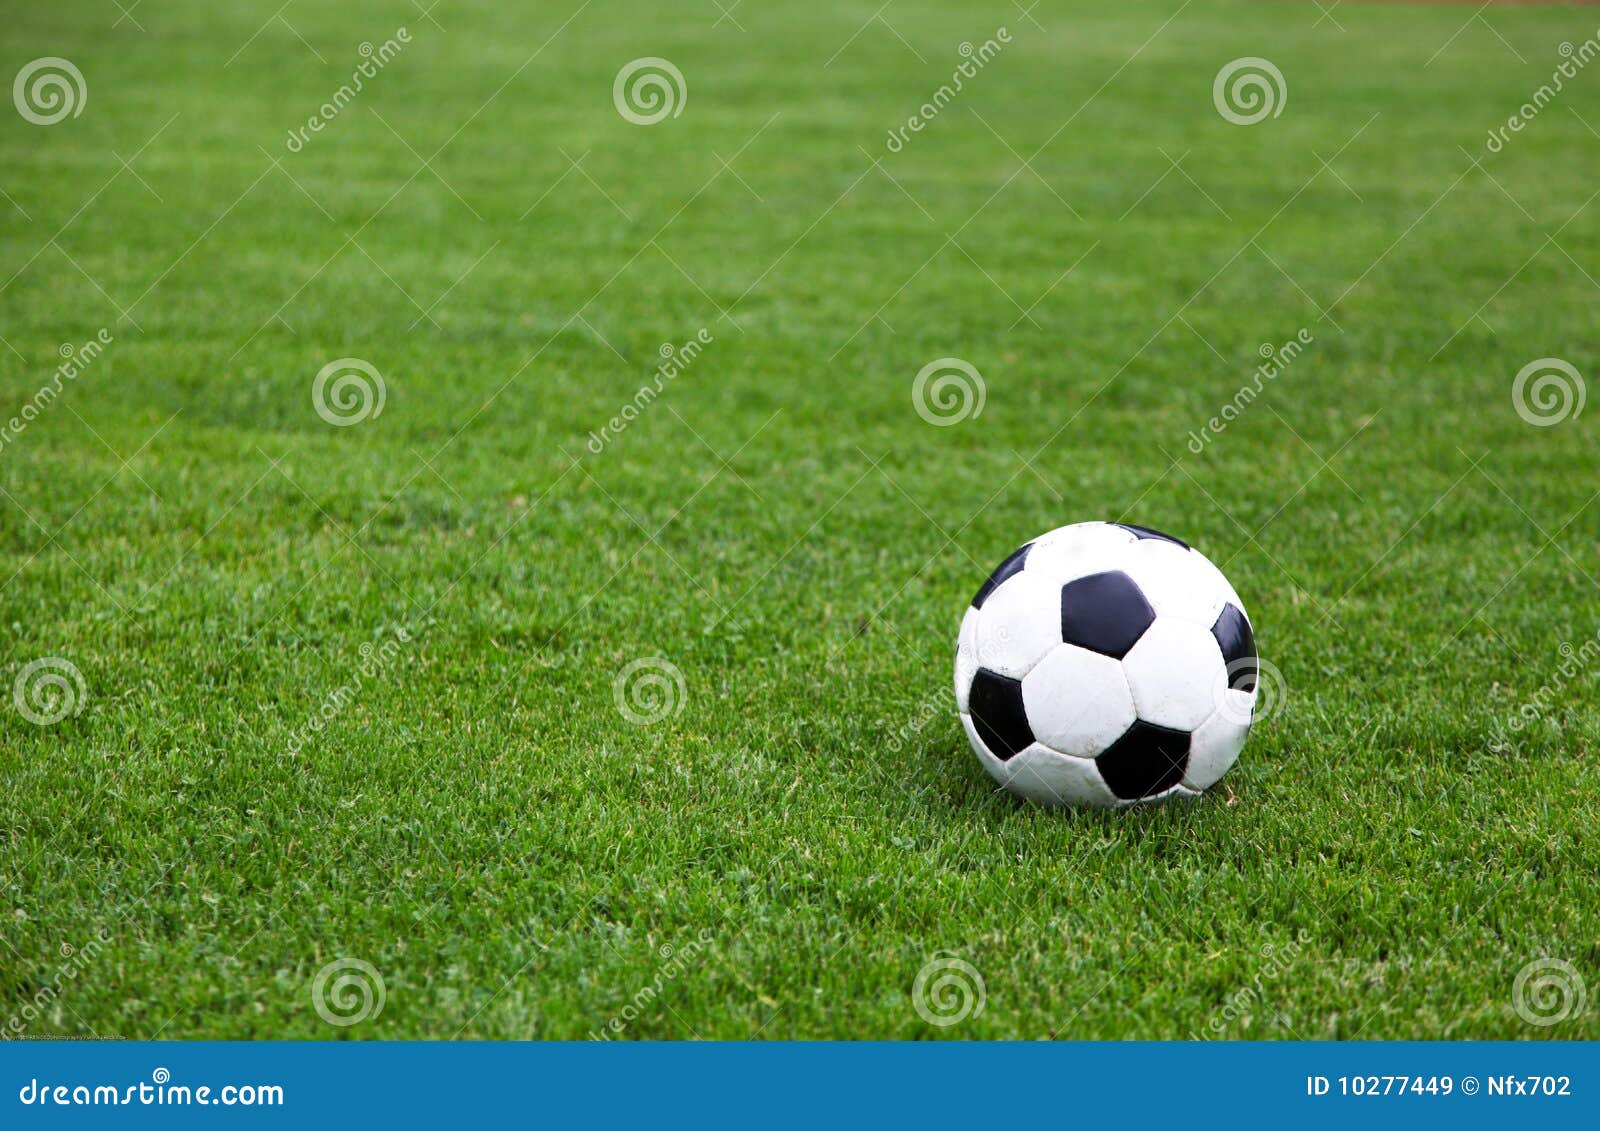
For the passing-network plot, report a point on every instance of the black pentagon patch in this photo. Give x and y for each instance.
(1146, 532)
(1238, 645)
(995, 704)
(1105, 613)
(1145, 761)
(1008, 568)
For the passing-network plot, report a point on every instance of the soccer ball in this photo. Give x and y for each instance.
(1106, 664)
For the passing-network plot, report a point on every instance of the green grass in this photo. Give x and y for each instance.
(479, 822)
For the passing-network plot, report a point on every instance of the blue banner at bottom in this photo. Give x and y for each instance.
(1315, 1084)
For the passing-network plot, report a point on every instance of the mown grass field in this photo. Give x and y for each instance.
(461, 578)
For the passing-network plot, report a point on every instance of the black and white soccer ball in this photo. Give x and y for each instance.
(1106, 664)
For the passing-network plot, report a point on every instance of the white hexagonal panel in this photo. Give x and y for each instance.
(1213, 747)
(966, 657)
(1172, 672)
(1051, 778)
(1077, 701)
(1178, 790)
(1176, 581)
(1070, 552)
(1018, 624)
(1233, 704)
(1217, 581)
